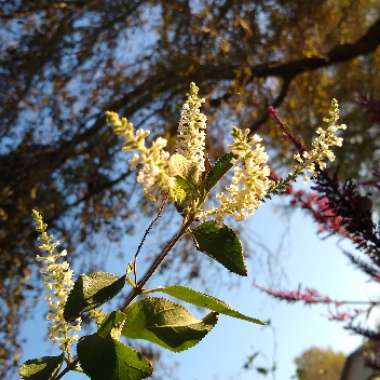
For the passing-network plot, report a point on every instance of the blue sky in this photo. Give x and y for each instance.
(306, 260)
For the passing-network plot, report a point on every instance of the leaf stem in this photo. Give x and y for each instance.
(152, 290)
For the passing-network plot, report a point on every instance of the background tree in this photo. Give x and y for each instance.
(64, 63)
(316, 363)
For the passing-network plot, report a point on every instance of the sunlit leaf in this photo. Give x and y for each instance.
(221, 244)
(204, 300)
(108, 359)
(41, 369)
(112, 324)
(90, 291)
(166, 323)
(221, 167)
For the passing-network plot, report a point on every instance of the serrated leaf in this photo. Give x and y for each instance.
(108, 359)
(166, 323)
(41, 369)
(112, 324)
(221, 167)
(204, 300)
(221, 244)
(91, 291)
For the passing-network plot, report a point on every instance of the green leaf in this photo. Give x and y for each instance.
(91, 291)
(182, 189)
(185, 184)
(112, 325)
(204, 300)
(41, 369)
(221, 244)
(221, 167)
(166, 323)
(108, 359)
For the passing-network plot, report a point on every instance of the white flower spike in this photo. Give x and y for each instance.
(57, 277)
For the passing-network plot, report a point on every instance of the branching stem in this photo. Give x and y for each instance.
(157, 262)
(137, 290)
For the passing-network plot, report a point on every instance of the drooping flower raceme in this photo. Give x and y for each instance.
(57, 277)
(250, 181)
(321, 146)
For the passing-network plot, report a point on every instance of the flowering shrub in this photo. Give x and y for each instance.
(183, 178)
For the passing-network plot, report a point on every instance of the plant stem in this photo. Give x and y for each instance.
(139, 286)
(68, 368)
(156, 263)
(146, 233)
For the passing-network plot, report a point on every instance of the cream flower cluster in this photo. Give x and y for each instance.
(321, 146)
(157, 169)
(153, 161)
(180, 175)
(191, 133)
(57, 277)
(250, 181)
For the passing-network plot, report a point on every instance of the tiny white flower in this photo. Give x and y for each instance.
(57, 277)
(321, 145)
(191, 131)
(250, 181)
